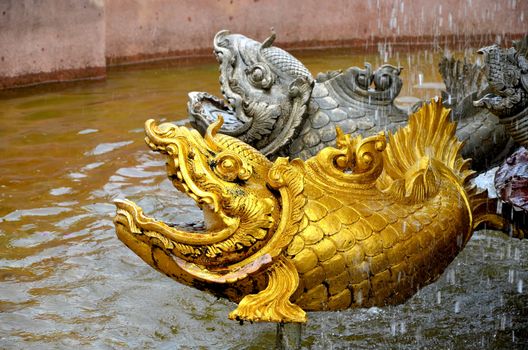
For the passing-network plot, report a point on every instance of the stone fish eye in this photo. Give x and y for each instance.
(383, 81)
(259, 76)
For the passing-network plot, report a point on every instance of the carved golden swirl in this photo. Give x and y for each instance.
(355, 161)
(230, 167)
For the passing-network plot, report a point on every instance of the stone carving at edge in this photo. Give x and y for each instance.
(365, 223)
(507, 74)
(511, 183)
(273, 103)
(494, 94)
(487, 141)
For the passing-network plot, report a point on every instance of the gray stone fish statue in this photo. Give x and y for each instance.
(273, 103)
(494, 95)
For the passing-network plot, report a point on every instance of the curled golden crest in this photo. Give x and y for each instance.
(211, 132)
(358, 155)
(354, 161)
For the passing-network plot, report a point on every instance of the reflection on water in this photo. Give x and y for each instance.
(65, 279)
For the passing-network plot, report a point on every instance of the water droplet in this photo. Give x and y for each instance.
(403, 327)
(420, 79)
(503, 322)
(517, 254)
(451, 277)
(393, 328)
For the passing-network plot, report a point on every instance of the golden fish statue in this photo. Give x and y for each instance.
(367, 223)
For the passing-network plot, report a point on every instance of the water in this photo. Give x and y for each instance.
(66, 281)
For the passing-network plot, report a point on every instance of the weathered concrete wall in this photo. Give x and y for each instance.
(167, 28)
(51, 40)
(55, 40)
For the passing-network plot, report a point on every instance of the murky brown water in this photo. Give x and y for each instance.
(66, 281)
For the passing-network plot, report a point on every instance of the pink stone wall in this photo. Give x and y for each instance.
(139, 30)
(55, 40)
(43, 40)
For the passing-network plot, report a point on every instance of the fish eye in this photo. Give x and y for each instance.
(257, 74)
(260, 76)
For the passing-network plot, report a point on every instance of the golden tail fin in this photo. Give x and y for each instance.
(427, 148)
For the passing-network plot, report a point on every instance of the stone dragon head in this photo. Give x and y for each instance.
(266, 92)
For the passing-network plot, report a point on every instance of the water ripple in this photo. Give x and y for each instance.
(107, 147)
(20, 213)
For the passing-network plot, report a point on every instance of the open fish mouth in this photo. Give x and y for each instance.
(205, 108)
(132, 223)
(178, 251)
(188, 170)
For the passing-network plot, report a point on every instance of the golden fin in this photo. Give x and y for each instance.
(273, 303)
(415, 153)
(419, 182)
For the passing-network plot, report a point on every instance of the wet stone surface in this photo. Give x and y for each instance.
(327, 103)
(311, 138)
(338, 115)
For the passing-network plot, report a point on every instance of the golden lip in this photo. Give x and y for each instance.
(131, 216)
